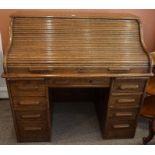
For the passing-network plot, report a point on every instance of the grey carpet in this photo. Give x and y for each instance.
(73, 123)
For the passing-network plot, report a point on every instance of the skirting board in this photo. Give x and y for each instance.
(3, 92)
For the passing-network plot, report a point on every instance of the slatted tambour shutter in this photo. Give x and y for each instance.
(58, 42)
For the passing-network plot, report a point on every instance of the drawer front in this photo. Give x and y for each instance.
(27, 88)
(128, 85)
(31, 116)
(28, 102)
(78, 82)
(120, 129)
(35, 131)
(125, 100)
(125, 113)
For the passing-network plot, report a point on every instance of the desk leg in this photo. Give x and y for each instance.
(151, 132)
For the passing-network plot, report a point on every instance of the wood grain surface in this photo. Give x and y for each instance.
(62, 55)
(76, 44)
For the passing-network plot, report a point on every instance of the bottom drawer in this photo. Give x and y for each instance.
(120, 129)
(33, 132)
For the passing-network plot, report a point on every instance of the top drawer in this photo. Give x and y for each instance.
(27, 88)
(128, 85)
(78, 82)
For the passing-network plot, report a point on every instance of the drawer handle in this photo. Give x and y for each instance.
(31, 116)
(134, 106)
(28, 88)
(40, 70)
(61, 82)
(119, 126)
(126, 100)
(120, 114)
(29, 102)
(32, 128)
(122, 87)
(118, 69)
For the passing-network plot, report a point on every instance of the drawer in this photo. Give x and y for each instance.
(125, 100)
(78, 82)
(33, 132)
(28, 102)
(27, 88)
(31, 117)
(120, 129)
(122, 113)
(128, 85)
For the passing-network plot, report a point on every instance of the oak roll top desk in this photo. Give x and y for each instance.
(65, 50)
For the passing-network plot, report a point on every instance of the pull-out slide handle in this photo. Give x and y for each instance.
(40, 69)
(118, 69)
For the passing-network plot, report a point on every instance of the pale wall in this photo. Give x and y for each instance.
(147, 17)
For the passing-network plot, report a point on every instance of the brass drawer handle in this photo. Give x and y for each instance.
(126, 100)
(123, 87)
(61, 82)
(31, 116)
(29, 102)
(40, 70)
(32, 128)
(120, 114)
(119, 126)
(118, 69)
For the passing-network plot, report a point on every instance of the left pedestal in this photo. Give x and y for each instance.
(30, 108)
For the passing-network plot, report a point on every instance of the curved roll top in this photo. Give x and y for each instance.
(71, 45)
